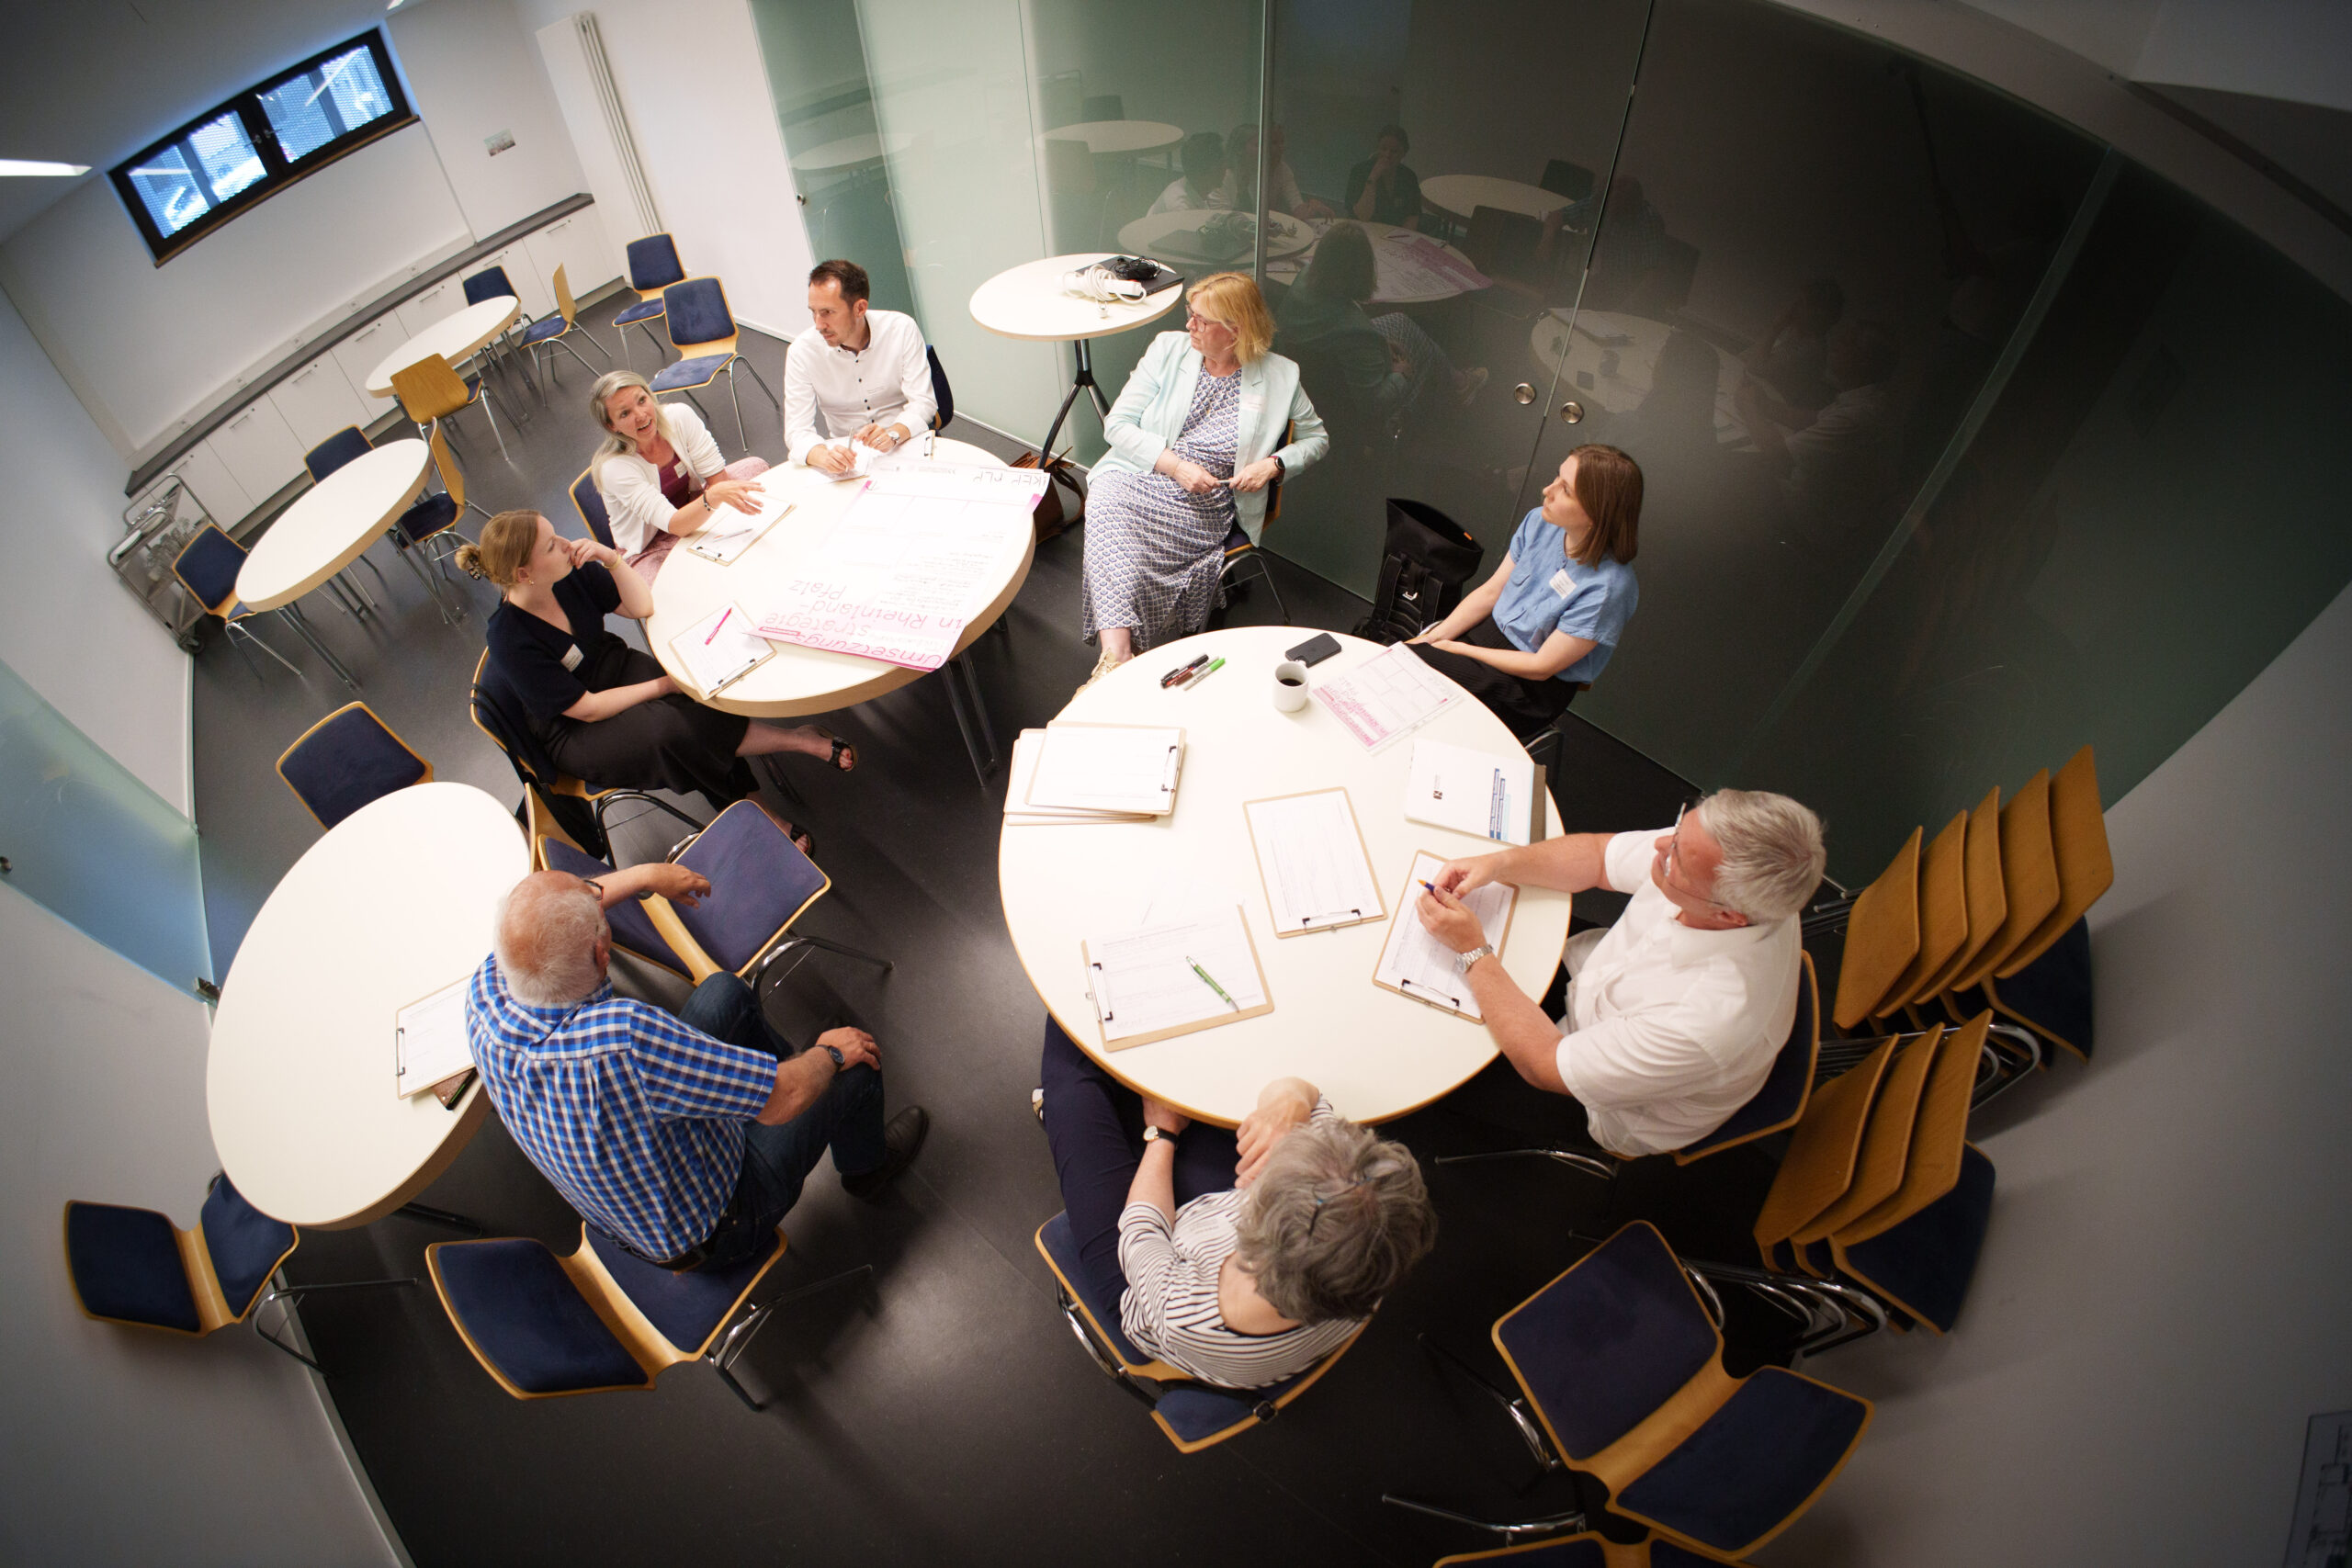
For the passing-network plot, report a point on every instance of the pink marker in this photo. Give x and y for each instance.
(722, 621)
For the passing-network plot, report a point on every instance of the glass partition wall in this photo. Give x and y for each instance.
(1966, 441)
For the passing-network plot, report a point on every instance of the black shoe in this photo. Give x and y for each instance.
(901, 1140)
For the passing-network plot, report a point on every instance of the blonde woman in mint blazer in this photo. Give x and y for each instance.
(1195, 439)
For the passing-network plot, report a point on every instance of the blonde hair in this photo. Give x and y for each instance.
(600, 397)
(1233, 298)
(507, 541)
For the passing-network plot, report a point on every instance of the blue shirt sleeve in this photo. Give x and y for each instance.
(687, 1074)
(1602, 603)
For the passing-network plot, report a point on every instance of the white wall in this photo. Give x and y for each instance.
(2163, 1294)
(73, 631)
(146, 345)
(697, 100)
(122, 1445)
(471, 72)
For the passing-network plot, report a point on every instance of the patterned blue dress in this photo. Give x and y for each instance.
(1153, 551)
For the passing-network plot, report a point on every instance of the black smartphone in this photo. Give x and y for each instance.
(1315, 650)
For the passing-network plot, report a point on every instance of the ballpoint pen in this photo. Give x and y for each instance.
(1211, 984)
(722, 621)
(1182, 670)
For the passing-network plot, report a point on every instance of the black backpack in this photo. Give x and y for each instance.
(1424, 567)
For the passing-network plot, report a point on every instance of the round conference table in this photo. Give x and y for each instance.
(1029, 301)
(329, 526)
(1109, 136)
(1614, 376)
(455, 338)
(1390, 289)
(393, 904)
(800, 681)
(1376, 1053)
(1459, 195)
(1285, 236)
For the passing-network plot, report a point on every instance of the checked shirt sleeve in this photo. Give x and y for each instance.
(685, 1073)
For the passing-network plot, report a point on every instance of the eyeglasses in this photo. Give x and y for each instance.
(1194, 319)
(1674, 859)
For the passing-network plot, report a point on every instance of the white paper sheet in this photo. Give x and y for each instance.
(1313, 860)
(906, 475)
(1384, 699)
(1144, 981)
(720, 647)
(1423, 967)
(1022, 771)
(729, 533)
(1409, 267)
(1471, 791)
(429, 1039)
(897, 579)
(1118, 768)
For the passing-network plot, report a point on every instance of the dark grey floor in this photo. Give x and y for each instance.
(944, 1414)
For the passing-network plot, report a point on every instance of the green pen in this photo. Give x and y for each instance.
(1195, 681)
(1203, 974)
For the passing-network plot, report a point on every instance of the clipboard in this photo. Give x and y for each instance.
(1333, 920)
(733, 546)
(1172, 777)
(449, 1088)
(1442, 1001)
(703, 630)
(1104, 1021)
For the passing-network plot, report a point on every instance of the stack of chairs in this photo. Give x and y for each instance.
(1987, 917)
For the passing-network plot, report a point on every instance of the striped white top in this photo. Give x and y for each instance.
(1169, 1309)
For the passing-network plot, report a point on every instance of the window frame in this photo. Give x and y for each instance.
(278, 172)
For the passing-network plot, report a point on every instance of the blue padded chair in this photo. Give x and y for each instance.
(760, 884)
(653, 265)
(940, 392)
(554, 803)
(348, 759)
(430, 517)
(633, 933)
(600, 1319)
(207, 566)
(492, 283)
(702, 331)
(589, 502)
(132, 1266)
(1623, 1366)
(1192, 1415)
(552, 333)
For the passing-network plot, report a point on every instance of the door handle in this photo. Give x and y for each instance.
(1571, 411)
(1524, 393)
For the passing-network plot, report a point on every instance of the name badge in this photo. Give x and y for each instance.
(1562, 583)
(571, 657)
(1252, 402)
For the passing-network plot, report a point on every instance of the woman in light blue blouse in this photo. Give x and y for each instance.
(1524, 641)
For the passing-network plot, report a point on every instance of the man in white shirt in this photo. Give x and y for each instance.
(860, 374)
(1675, 1012)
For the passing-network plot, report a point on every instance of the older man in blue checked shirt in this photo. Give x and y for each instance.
(686, 1139)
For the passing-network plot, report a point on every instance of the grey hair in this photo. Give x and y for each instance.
(616, 444)
(1772, 853)
(549, 926)
(1375, 1222)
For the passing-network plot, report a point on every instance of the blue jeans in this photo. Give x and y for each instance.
(848, 1118)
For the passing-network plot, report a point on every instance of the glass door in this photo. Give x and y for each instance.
(1447, 159)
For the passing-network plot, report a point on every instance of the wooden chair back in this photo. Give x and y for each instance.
(1886, 1141)
(430, 388)
(1819, 1164)
(563, 299)
(2029, 878)
(2078, 844)
(1940, 1127)
(1881, 937)
(1943, 915)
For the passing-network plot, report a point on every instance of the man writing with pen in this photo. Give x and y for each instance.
(1675, 1013)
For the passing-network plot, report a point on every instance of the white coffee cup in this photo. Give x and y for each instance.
(1289, 685)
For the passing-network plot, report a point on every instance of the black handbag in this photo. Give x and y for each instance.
(1425, 565)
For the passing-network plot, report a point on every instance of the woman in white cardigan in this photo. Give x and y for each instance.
(1196, 436)
(660, 474)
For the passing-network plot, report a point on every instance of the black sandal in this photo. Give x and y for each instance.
(840, 747)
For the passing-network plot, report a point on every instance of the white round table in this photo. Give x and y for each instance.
(800, 681)
(1461, 194)
(393, 904)
(1615, 377)
(1117, 135)
(1028, 301)
(1285, 236)
(1377, 1055)
(331, 524)
(455, 338)
(1390, 289)
(852, 151)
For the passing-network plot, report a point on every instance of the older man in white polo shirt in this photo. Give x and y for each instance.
(858, 375)
(1675, 1012)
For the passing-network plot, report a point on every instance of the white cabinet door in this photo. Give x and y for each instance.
(577, 244)
(206, 477)
(317, 400)
(446, 298)
(364, 350)
(259, 452)
(522, 271)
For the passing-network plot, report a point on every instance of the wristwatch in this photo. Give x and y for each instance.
(840, 1061)
(1483, 950)
(1281, 471)
(1158, 1136)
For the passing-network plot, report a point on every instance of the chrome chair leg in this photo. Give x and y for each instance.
(239, 629)
(1512, 1534)
(1591, 1165)
(292, 615)
(730, 1346)
(754, 370)
(979, 703)
(1531, 1432)
(971, 743)
(741, 436)
(287, 1295)
(488, 414)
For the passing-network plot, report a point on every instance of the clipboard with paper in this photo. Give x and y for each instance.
(720, 649)
(1109, 768)
(1414, 963)
(725, 540)
(431, 1047)
(1313, 862)
(1174, 978)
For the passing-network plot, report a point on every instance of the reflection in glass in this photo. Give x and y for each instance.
(226, 155)
(310, 110)
(168, 185)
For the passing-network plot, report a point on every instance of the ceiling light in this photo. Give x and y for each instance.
(33, 166)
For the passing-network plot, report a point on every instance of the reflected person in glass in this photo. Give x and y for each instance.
(660, 474)
(1382, 189)
(1196, 437)
(1202, 185)
(1380, 364)
(1792, 355)
(1836, 463)
(1626, 258)
(1546, 623)
(1283, 194)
